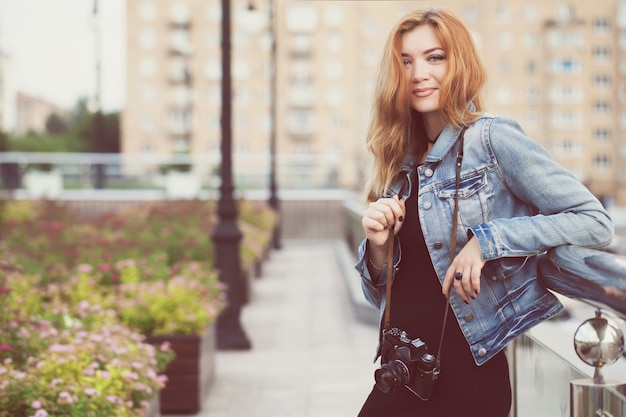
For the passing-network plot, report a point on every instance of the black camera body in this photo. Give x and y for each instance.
(406, 362)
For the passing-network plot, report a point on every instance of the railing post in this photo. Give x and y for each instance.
(598, 343)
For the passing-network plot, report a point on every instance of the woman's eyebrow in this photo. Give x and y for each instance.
(426, 52)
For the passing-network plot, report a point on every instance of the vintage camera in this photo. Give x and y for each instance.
(406, 362)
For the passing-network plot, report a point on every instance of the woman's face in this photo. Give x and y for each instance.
(426, 66)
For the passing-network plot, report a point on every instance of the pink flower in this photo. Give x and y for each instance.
(5, 290)
(104, 267)
(5, 348)
(91, 391)
(36, 404)
(41, 413)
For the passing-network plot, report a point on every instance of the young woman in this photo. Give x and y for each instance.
(514, 202)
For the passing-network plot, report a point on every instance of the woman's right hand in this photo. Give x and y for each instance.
(379, 216)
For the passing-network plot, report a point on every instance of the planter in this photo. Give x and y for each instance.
(43, 184)
(154, 409)
(184, 185)
(190, 374)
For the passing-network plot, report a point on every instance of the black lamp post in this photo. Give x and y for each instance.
(98, 133)
(227, 236)
(273, 201)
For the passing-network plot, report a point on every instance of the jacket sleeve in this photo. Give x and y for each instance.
(374, 290)
(566, 211)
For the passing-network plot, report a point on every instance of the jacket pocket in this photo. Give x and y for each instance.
(473, 198)
(503, 268)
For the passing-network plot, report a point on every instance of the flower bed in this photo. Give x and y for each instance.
(143, 271)
(57, 359)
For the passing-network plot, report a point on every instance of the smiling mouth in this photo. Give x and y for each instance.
(423, 92)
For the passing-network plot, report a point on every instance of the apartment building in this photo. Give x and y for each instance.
(557, 67)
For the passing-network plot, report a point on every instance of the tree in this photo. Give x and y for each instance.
(56, 125)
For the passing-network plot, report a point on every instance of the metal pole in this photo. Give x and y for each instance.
(273, 199)
(98, 117)
(227, 236)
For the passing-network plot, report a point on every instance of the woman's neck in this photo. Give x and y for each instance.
(433, 123)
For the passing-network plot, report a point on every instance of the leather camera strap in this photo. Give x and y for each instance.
(390, 240)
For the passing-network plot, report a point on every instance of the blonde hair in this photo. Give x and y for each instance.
(396, 129)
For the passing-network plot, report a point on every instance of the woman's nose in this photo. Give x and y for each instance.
(419, 73)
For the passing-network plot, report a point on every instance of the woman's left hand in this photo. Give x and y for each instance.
(469, 262)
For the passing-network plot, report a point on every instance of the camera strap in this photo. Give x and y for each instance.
(390, 240)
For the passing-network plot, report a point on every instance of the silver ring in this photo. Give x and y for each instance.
(458, 275)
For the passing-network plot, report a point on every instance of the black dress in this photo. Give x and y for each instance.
(417, 306)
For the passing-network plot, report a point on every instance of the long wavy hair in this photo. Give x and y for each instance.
(396, 129)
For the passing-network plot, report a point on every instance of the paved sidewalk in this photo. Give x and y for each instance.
(310, 356)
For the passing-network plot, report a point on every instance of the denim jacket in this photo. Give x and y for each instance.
(518, 202)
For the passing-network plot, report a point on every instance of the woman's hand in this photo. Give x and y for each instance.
(469, 262)
(377, 220)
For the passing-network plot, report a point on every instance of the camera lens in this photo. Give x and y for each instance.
(391, 376)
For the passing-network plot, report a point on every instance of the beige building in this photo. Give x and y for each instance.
(558, 67)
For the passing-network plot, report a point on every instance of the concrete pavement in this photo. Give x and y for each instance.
(311, 356)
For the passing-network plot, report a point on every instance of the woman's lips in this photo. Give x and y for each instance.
(423, 92)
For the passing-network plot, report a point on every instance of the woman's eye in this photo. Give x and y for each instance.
(406, 63)
(436, 58)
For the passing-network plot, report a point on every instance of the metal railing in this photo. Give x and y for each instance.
(154, 172)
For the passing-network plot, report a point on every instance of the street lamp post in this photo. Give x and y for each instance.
(227, 236)
(274, 202)
(98, 134)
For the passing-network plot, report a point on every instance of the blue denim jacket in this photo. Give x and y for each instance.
(518, 202)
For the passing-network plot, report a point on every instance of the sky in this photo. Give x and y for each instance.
(51, 44)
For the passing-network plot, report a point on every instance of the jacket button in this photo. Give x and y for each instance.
(438, 245)
(427, 205)
(482, 352)
(468, 317)
(428, 172)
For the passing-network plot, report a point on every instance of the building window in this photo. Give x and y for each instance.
(532, 120)
(601, 26)
(565, 94)
(531, 67)
(503, 13)
(602, 81)
(334, 41)
(302, 146)
(334, 97)
(531, 40)
(214, 12)
(566, 120)
(504, 95)
(602, 107)
(301, 71)
(601, 54)
(565, 66)
(531, 13)
(241, 70)
(301, 122)
(565, 38)
(472, 13)
(602, 161)
(147, 10)
(602, 135)
(532, 95)
(147, 39)
(333, 14)
(301, 18)
(505, 41)
(370, 28)
(147, 67)
(180, 13)
(567, 148)
(334, 69)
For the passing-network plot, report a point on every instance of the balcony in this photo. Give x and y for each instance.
(319, 221)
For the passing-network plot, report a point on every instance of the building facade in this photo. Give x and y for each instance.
(557, 67)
